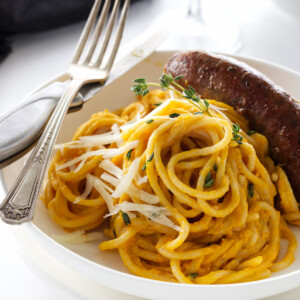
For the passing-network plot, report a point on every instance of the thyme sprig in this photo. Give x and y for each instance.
(168, 82)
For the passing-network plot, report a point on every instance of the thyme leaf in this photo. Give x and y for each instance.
(128, 155)
(193, 275)
(209, 181)
(235, 133)
(250, 132)
(174, 115)
(250, 189)
(151, 157)
(125, 218)
(149, 160)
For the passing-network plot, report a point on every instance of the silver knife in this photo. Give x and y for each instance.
(21, 127)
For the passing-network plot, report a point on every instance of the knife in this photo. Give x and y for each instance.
(21, 127)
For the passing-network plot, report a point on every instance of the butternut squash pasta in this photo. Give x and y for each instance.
(188, 196)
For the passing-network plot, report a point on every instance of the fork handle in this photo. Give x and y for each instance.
(20, 202)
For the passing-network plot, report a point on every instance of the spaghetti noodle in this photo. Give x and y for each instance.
(185, 202)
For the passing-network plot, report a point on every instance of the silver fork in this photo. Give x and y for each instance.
(87, 66)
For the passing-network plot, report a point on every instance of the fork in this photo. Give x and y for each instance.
(87, 66)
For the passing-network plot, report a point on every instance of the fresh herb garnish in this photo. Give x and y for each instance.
(114, 232)
(149, 160)
(215, 167)
(157, 104)
(144, 166)
(128, 155)
(156, 214)
(193, 275)
(235, 133)
(126, 218)
(149, 121)
(250, 132)
(174, 115)
(250, 189)
(198, 113)
(141, 88)
(151, 157)
(209, 181)
(167, 81)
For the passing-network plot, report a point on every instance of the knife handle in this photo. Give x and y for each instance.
(20, 202)
(21, 127)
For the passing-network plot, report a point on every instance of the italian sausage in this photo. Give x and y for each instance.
(267, 107)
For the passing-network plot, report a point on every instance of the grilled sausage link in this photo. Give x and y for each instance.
(269, 109)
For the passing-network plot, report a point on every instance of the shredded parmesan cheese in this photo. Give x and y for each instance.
(100, 187)
(107, 153)
(134, 192)
(139, 179)
(87, 190)
(156, 214)
(111, 168)
(110, 179)
(127, 179)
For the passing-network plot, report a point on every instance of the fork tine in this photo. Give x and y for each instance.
(97, 31)
(86, 31)
(118, 36)
(108, 31)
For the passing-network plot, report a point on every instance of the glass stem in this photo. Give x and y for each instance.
(195, 10)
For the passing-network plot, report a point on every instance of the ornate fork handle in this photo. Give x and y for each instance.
(20, 203)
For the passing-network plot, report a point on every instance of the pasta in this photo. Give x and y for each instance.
(185, 202)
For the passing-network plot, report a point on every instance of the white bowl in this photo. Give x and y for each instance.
(106, 268)
(292, 7)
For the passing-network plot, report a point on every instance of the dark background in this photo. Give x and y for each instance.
(23, 16)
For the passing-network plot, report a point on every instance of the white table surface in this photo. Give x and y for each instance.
(267, 33)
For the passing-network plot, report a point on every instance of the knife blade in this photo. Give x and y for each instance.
(21, 127)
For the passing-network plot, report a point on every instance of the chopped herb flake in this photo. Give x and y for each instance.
(157, 104)
(149, 160)
(156, 214)
(250, 132)
(126, 218)
(144, 166)
(114, 233)
(149, 121)
(215, 167)
(193, 275)
(250, 189)
(235, 133)
(151, 157)
(198, 113)
(209, 181)
(174, 115)
(128, 155)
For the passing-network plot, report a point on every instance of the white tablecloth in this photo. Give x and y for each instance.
(267, 33)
